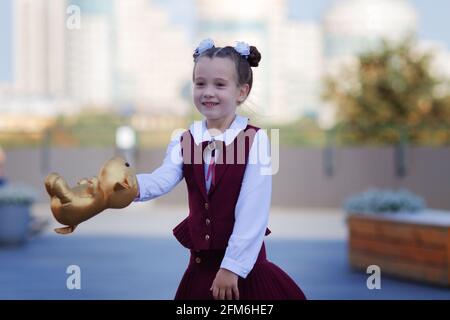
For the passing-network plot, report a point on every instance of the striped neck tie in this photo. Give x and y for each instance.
(212, 164)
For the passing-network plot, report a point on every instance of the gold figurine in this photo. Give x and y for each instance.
(114, 187)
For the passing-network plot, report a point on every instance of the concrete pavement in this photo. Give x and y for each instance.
(131, 254)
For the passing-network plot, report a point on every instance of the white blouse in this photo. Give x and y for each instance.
(253, 205)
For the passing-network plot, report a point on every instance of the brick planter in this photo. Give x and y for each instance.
(411, 246)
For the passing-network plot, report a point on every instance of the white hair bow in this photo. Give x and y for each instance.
(242, 48)
(204, 45)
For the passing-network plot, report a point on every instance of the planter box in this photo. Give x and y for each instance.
(412, 246)
(14, 224)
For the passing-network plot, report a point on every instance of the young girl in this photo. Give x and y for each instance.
(229, 187)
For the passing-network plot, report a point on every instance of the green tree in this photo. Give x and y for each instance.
(88, 128)
(391, 93)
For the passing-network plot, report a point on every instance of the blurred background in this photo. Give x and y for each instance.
(359, 90)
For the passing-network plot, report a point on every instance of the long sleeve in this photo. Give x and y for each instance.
(166, 177)
(252, 210)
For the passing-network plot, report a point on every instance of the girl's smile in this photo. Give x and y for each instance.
(210, 104)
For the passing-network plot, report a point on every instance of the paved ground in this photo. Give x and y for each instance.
(130, 254)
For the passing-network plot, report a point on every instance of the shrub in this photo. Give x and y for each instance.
(382, 201)
(17, 194)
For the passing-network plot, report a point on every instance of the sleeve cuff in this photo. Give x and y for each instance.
(234, 266)
(141, 190)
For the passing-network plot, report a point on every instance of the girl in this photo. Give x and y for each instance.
(229, 189)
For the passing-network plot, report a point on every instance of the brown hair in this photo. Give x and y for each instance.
(243, 64)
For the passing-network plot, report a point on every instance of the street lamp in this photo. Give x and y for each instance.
(126, 142)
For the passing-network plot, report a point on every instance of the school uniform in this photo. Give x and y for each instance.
(229, 185)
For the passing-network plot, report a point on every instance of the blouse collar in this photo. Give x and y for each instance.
(200, 133)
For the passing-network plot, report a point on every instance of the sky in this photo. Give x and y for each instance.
(433, 22)
(5, 40)
(434, 19)
(433, 16)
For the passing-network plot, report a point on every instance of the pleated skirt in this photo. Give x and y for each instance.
(266, 281)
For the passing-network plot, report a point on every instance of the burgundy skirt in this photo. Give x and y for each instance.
(266, 281)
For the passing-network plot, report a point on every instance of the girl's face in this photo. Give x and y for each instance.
(216, 92)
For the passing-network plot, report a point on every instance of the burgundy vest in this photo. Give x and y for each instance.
(210, 222)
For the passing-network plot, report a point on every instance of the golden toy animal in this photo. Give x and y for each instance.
(114, 187)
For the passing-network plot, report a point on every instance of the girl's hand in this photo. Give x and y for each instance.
(225, 285)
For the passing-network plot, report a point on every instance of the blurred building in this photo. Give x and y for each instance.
(286, 81)
(153, 59)
(128, 54)
(39, 50)
(89, 54)
(440, 65)
(37, 87)
(353, 26)
(226, 25)
(297, 68)
(136, 55)
(124, 54)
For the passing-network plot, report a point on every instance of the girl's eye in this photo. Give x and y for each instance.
(198, 84)
(221, 85)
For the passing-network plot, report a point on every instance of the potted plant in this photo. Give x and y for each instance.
(397, 232)
(15, 203)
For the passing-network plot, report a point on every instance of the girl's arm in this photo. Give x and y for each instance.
(252, 210)
(165, 178)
